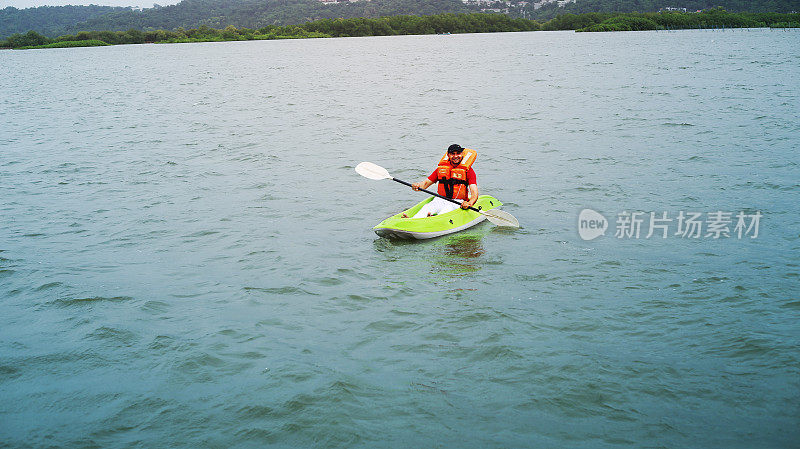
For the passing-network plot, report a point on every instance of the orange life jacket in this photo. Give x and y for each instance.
(453, 180)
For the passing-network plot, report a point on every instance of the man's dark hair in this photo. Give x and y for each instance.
(454, 148)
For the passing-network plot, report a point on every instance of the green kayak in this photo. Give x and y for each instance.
(435, 226)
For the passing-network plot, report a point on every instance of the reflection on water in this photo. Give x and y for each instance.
(457, 254)
(467, 246)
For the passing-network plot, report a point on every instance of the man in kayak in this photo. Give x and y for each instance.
(456, 180)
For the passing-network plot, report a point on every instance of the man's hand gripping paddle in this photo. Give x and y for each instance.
(498, 217)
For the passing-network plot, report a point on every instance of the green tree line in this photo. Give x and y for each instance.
(384, 26)
(666, 20)
(54, 21)
(406, 24)
(580, 7)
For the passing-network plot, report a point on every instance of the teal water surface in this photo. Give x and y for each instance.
(187, 256)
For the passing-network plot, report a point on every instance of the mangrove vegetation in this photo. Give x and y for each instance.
(409, 24)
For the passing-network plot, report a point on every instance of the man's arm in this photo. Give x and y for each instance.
(473, 197)
(422, 184)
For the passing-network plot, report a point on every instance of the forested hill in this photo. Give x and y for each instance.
(221, 13)
(56, 21)
(259, 13)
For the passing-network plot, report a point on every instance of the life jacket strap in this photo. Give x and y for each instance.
(449, 185)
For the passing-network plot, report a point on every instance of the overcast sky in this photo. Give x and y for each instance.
(21, 4)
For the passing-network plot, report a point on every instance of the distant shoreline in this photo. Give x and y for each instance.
(417, 25)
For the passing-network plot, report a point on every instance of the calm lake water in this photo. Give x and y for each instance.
(187, 259)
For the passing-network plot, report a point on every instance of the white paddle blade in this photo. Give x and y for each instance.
(372, 171)
(501, 218)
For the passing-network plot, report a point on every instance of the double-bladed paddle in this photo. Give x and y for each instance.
(498, 217)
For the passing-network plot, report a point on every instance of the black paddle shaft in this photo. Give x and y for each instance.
(435, 194)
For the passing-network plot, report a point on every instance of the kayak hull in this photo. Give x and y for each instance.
(398, 227)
